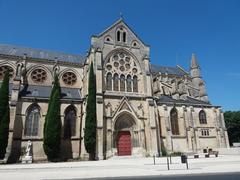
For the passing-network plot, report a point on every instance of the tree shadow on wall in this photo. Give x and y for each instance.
(66, 144)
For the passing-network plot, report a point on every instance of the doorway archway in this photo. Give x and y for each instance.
(124, 126)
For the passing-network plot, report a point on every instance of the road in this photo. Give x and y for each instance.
(219, 176)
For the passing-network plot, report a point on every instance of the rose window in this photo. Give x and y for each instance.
(69, 78)
(122, 63)
(3, 70)
(39, 76)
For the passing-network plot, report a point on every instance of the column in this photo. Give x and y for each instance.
(15, 126)
(152, 119)
(225, 133)
(84, 155)
(142, 136)
(109, 135)
(217, 125)
(99, 105)
(195, 130)
(188, 130)
(168, 129)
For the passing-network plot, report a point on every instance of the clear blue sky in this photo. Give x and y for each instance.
(173, 28)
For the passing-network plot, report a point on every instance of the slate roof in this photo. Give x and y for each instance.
(155, 69)
(189, 101)
(45, 91)
(13, 50)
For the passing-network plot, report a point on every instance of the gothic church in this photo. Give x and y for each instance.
(141, 107)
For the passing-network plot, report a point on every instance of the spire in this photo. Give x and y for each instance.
(121, 15)
(194, 63)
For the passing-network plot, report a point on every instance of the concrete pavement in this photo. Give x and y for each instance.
(119, 167)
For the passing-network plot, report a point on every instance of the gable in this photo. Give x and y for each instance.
(125, 106)
(126, 35)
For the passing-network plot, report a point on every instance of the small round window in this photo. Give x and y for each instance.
(39, 76)
(69, 78)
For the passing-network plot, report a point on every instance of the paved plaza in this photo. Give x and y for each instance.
(119, 167)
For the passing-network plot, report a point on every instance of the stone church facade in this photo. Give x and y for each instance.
(141, 108)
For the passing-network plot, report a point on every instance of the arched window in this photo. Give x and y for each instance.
(174, 121)
(129, 84)
(124, 36)
(115, 82)
(118, 35)
(122, 83)
(109, 81)
(202, 117)
(135, 84)
(32, 121)
(70, 122)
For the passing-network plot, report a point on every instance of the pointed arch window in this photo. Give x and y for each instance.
(109, 81)
(202, 117)
(70, 122)
(32, 121)
(122, 83)
(118, 35)
(129, 83)
(115, 82)
(174, 121)
(124, 36)
(135, 84)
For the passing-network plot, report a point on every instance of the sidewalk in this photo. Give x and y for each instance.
(119, 167)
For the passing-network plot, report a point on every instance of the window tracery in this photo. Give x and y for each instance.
(124, 71)
(32, 121)
(122, 83)
(115, 82)
(121, 35)
(174, 121)
(129, 83)
(109, 81)
(39, 76)
(69, 78)
(202, 117)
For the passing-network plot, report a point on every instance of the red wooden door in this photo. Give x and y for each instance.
(124, 143)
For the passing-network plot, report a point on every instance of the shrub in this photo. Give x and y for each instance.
(90, 121)
(4, 115)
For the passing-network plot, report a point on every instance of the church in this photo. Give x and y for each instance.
(142, 108)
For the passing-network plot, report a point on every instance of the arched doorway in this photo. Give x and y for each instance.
(123, 132)
(124, 144)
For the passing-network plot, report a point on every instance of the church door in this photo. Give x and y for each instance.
(124, 143)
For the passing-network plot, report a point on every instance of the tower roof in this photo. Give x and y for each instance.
(194, 63)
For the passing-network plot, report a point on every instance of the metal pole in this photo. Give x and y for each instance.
(154, 160)
(187, 162)
(168, 163)
(170, 159)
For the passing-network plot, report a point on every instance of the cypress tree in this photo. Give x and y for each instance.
(52, 125)
(4, 115)
(90, 121)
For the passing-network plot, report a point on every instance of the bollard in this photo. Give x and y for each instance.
(168, 163)
(186, 162)
(170, 159)
(154, 160)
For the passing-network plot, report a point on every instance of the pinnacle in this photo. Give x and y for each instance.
(194, 63)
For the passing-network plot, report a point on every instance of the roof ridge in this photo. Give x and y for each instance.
(39, 49)
(34, 53)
